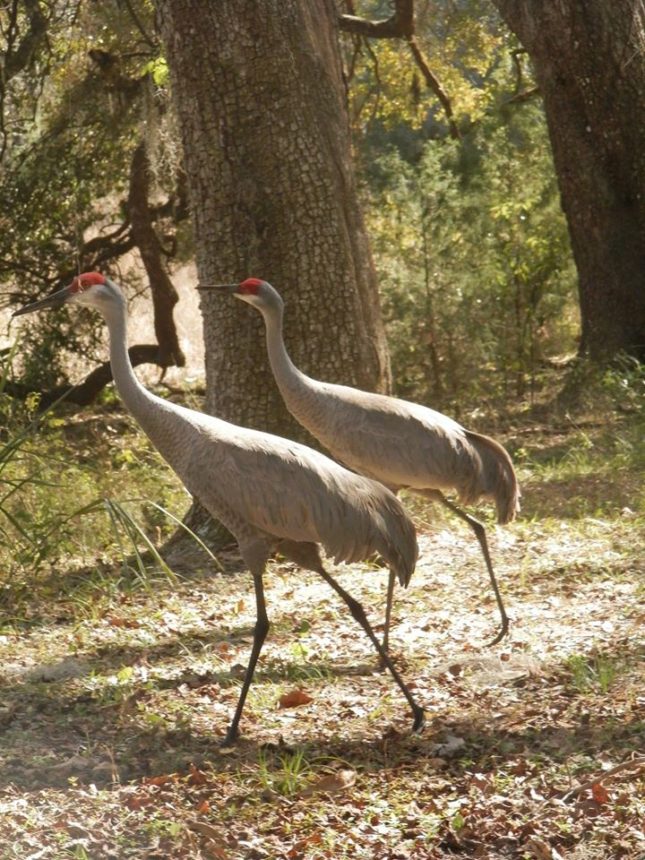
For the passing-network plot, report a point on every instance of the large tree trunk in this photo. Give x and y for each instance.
(260, 98)
(588, 59)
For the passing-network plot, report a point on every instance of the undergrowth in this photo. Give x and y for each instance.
(120, 671)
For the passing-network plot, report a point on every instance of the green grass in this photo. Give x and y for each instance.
(119, 674)
(598, 671)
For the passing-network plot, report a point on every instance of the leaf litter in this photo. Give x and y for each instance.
(111, 721)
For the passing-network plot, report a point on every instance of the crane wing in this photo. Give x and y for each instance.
(394, 441)
(289, 491)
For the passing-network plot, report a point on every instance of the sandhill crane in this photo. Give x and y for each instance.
(401, 444)
(271, 493)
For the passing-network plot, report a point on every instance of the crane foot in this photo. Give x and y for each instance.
(419, 719)
(230, 738)
(502, 633)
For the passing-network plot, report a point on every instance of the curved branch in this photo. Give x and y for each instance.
(87, 391)
(139, 25)
(20, 57)
(399, 26)
(433, 84)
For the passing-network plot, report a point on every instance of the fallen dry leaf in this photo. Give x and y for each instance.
(332, 783)
(214, 847)
(197, 776)
(135, 802)
(294, 699)
(162, 779)
(599, 793)
(119, 621)
(539, 849)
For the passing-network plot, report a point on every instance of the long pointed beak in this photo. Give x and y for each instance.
(54, 301)
(218, 288)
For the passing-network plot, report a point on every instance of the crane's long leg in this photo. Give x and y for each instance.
(358, 613)
(480, 534)
(388, 613)
(306, 555)
(259, 635)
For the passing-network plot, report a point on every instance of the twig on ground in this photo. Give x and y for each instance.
(637, 762)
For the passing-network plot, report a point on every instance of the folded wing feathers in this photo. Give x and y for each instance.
(375, 522)
(290, 491)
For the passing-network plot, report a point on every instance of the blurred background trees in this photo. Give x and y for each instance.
(477, 281)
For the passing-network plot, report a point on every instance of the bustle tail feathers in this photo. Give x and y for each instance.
(400, 549)
(498, 481)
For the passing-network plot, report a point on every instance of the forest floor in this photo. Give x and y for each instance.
(118, 682)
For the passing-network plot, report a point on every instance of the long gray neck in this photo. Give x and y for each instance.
(137, 399)
(291, 381)
(169, 427)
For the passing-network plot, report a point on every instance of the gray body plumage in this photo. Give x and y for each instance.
(271, 493)
(265, 487)
(401, 444)
(406, 445)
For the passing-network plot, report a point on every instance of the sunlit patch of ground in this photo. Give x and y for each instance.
(116, 690)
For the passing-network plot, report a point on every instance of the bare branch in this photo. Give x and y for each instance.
(433, 84)
(19, 58)
(87, 391)
(523, 96)
(637, 762)
(399, 26)
(138, 24)
(519, 71)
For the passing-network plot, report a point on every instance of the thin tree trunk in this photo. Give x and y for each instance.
(164, 294)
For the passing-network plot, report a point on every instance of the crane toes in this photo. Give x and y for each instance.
(419, 719)
(502, 633)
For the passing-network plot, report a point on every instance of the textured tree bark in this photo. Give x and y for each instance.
(260, 98)
(588, 58)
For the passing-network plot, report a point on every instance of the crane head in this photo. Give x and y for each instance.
(254, 291)
(90, 288)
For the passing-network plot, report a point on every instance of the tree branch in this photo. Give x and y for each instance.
(399, 26)
(87, 391)
(523, 96)
(14, 59)
(637, 762)
(139, 25)
(433, 84)
(19, 58)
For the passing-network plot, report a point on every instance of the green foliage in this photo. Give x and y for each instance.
(598, 671)
(288, 777)
(471, 246)
(624, 383)
(473, 260)
(462, 42)
(56, 503)
(75, 121)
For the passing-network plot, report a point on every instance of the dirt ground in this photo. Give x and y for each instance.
(117, 691)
